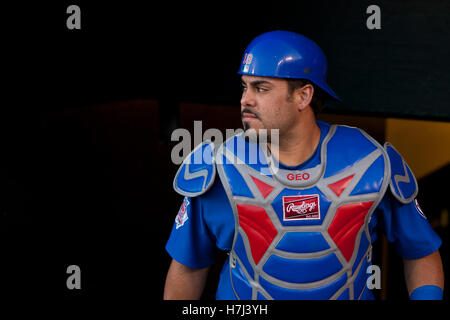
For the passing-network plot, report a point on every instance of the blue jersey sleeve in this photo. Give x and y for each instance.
(190, 242)
(407, 228)
(203, 224)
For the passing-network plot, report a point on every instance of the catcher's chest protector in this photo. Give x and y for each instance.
(303, 234)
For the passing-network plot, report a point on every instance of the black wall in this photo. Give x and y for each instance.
(86, 179)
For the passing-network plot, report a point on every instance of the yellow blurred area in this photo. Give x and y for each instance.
(425, 145)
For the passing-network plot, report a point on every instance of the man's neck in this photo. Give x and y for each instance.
(298, 145)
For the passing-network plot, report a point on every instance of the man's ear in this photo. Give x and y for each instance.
(303, 96)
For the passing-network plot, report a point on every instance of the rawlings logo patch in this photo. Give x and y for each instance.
(182, 215)
(301, 207)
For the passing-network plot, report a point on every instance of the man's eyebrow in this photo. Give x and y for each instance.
(256, 82)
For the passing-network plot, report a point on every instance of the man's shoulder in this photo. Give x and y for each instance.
(351, 144)
(352, 133)
(402, 182)
(197, 173)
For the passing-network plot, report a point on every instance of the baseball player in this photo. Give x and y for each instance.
(298, 224)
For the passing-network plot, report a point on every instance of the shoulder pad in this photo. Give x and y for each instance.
(196, 174)
(403, 184)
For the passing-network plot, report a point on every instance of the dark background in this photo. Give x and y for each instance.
(86, 118)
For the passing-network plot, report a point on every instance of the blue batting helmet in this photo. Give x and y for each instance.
(286, 54)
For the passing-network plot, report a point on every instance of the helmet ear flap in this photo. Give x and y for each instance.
(286, 54)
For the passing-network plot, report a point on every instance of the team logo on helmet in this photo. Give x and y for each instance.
(247, 60)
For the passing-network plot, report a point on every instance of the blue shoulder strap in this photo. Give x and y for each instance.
(196, 174)
(403, 184)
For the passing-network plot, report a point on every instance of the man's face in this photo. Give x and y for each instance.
(266, 104)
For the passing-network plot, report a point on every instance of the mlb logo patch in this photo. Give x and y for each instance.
(182, 215)
(299, 207)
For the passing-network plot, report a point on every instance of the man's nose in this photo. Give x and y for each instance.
(247, 99)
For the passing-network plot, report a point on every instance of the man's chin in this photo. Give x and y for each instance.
(260, 135)
(248, 125)
(249, 130)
